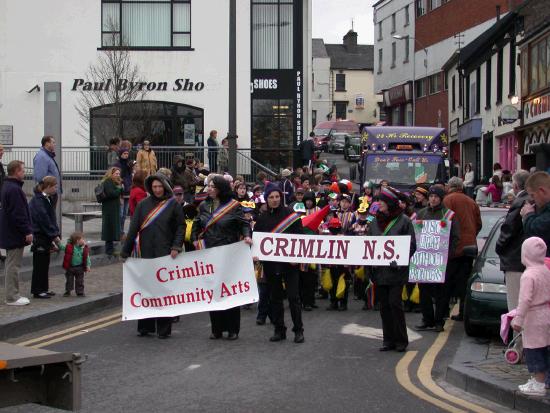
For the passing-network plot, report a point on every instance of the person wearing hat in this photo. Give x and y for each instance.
(278, 273)
(421, 196)
(336, 271)
(178, 194)
(286, 186)
(389, 280)
(298, 197)
(344, 214)
(431, 293)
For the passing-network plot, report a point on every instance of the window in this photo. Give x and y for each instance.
(420, 88)
(420, 7)
(393, 23)
(434, 83)
(524, 73)
(407, 46)
(542, 64)
(478, 90)
(453, 93)
(341, 109)
(499, 76)
(434, 4)
(512, 70)
(460, 91)
(380, 55)
(380, 31)
(272, 34)
(150, 24)
(407, 17)
(359, 102)
(467, 97)
(488, 81)
(473, 99)
(393, 54)
(445, 81)
(340, 82)
(314, 117)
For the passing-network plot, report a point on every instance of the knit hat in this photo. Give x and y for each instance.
(437, 190)
(422, 191)
(271, 187)
(285, 173)
(389, 196)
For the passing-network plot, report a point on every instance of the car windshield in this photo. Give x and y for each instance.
(490, 252)
(321, 132)
(339, 138)
(355, 140)
(488, 220)
(402, 169)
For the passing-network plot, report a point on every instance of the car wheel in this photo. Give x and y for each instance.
(471, 329)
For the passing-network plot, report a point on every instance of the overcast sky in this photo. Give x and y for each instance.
(332, 19)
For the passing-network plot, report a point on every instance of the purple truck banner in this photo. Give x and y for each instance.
(429, 263)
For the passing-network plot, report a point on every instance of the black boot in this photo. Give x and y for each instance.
(278, 336)
(299, 337)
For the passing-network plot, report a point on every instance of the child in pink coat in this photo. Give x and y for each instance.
(533, 315)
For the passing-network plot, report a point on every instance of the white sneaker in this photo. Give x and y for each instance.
(532, 388)
(19, 302)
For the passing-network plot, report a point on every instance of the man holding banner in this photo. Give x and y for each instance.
(437, 237)
(157, 229)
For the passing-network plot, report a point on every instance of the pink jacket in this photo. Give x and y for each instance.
(533, 312)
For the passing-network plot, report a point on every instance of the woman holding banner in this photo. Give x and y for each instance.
(390, 220)
(279, 219)
(157, 229)
(221, 222)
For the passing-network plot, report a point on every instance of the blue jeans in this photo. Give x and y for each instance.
(123, 214)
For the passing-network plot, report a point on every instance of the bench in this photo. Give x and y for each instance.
(80, 217)
(29, 375)
(91, 206)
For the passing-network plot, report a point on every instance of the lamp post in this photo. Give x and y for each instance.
(402, 37)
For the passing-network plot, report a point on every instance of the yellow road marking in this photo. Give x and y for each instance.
(78, 333)
(81, 326)
(403, 378)
(425, 373)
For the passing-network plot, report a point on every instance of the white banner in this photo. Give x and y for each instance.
(329, 249)
(206, 280)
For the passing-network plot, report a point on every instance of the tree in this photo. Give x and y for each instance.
(114, 65)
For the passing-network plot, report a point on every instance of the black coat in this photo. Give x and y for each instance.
(511, 236)
(44, 222)
(269, 220)
(15, 217)
(229, 229)
(2, 175)
(307, 149)
(110, 211)
(166, 233)
(388, 275)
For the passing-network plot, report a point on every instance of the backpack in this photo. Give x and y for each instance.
(100, 192)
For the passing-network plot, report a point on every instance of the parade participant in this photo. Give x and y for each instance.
(298, 197)
(435, 293)
(336, 271)
(278, 219)
(368, 190)
(345, 215)
(178, 195)
(241, 193)
(221, 222)
(296, 181)
(110, 209)
(299, 208)
(421, 195)
(360, 227)
(390, 280)
(45, 232)
(306, 184)
(157, 229)
(310, 203)
(76, 262)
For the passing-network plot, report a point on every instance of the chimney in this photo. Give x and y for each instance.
(350, 41)
(498, 13)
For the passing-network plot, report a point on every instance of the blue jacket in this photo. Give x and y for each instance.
(538, 225)
(45, 165)
(15, 217)
(44, 222)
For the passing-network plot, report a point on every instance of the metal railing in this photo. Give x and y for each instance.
(83, 167)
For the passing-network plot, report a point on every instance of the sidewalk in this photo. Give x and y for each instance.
(103, 289)
(480, 368)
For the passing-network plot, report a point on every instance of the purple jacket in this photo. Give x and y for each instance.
(15, 217)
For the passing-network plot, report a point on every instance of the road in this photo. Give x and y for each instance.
(338, 368)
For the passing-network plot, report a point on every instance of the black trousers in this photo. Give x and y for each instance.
(226, 320)
(456, 279)
(162, 325)
(335, 273)
(264, 306)
(308, 281)
(275, 282)
(431, 294)
(40, 269)
(75, 279)
(393, 317)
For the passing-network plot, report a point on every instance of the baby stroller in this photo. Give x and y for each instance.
(512, 354)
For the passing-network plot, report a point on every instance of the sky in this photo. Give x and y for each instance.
(332, 20)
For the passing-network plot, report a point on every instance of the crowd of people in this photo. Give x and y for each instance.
(190, 207)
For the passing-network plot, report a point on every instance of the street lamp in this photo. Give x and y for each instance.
(402, 37)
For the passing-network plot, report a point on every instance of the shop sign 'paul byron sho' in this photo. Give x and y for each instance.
(184, 85)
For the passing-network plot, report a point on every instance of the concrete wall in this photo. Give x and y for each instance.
(320, 94)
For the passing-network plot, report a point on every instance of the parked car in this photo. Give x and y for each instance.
(489, 217)
(337, 142)
(352, 147)
(324, 130)
(486, 292)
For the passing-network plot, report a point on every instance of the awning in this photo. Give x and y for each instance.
(470, 130)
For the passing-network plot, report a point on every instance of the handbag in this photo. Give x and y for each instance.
(341, 287)
(326, 280)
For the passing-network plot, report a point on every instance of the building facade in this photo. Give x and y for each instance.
(321, 105)
(181, 51)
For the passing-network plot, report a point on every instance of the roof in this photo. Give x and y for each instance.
(340, 58)
(318, 48)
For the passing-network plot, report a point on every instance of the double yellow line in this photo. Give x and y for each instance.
(424, 374)
(72, 332)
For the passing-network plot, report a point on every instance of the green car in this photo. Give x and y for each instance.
(486, 292)
(352, 148)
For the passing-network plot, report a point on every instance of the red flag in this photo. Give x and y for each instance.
(313, 221)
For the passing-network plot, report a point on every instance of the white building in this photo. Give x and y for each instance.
(321, 105)
(181, 48)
